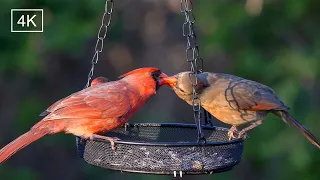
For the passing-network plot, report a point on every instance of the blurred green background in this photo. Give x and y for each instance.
(273, 42)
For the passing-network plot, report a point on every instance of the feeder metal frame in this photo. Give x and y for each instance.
(152, 148)
(99, 152)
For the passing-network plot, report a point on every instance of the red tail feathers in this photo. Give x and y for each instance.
(21, 142)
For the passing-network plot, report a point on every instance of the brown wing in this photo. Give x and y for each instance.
(250, 95)
(109, 100)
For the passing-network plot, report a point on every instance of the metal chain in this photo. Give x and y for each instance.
(105, 23)
(192, 56)
(102, 34)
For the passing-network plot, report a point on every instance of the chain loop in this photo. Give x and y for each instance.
(102, 34)
(193, 57)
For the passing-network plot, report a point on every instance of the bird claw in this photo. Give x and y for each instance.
(233, 130)
(231, 135)
(111, 139)
(126, 126)
(243, 131)
(242, 134)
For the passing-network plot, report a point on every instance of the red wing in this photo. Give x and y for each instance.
(59, 104)
(95, 102)
(53, 107)
(265, 106)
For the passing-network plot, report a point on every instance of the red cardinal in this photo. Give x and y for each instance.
(99, 80)
(234, 100)
(96, 109)
(96, 81)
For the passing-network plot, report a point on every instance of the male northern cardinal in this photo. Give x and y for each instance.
(99, 80)
(235, 100)
(96, 109)
(96, 81)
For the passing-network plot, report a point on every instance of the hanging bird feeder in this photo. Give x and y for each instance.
(164, 149)
(152, 148)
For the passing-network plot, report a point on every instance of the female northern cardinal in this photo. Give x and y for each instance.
(96, 109)
(234, 100)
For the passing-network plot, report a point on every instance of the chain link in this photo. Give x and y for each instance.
(193, 57)
(102, 34)
(192, 51)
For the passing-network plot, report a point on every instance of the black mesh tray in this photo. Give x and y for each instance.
(164, 149)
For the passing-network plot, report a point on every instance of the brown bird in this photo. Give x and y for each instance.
(94, 110)
(235, 100)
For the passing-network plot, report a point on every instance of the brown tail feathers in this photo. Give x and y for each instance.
(290, 120)
(23, 141)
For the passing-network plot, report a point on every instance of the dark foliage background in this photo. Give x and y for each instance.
(270, 41)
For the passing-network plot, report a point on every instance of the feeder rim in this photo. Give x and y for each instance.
(175, 144)
(172, 172)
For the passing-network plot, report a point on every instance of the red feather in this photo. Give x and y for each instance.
(96, 109)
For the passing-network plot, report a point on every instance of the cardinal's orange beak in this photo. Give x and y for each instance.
(161, 77)
(171, 81)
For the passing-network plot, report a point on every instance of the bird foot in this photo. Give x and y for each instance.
(111, 139)
(233, 130)
(125, 125)
(231, 135)
(243, 131)
(242, 134)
